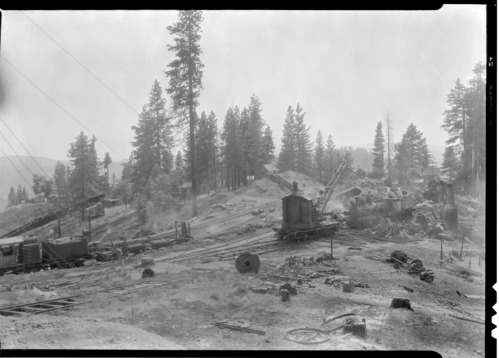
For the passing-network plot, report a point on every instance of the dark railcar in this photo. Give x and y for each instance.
(66, 252)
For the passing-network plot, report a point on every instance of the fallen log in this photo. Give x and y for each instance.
(457, 268)
(466, 319)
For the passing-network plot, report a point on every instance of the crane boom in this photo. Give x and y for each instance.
(331, 185)
(43, 220)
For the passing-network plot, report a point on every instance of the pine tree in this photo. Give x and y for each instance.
(378, 151)
(94, 165)
(402, 160)
(179, 169)
(465, 124)
(12, 198)
(475, 138)
(105, 163)
(411, 153)
(303, 143)
(419, 156)
(60, 179)
(185, 76)
(330, 159)
(83, 176)
(206, 146)
(38, 183)
(153, 139)
(451, 162)
(256, 156)
(319, 156)
(288, 143)
(389, 146)
(243, 148)
(19, 194)
(348, 159)
(231, 148)
(213, 148)
(456, 117)
(268, 145)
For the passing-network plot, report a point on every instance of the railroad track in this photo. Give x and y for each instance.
(230, 247)
(76, 300)
(42, 306)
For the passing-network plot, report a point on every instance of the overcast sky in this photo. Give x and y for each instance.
(346, 69)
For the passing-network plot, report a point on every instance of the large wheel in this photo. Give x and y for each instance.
(247, 263)
(416, 265)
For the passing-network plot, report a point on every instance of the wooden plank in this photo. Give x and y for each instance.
(65, 306)
(467, 319)
(39, 302)
(12, 312)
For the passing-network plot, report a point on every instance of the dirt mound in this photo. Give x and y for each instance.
(266, 187)
(307, 186)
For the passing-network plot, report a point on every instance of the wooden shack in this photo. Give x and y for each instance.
(95, 211)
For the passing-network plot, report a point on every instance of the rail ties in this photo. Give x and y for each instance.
(41, 306)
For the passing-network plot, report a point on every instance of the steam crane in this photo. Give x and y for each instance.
(304, 218)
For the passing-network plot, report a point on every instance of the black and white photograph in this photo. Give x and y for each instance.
(248, 180)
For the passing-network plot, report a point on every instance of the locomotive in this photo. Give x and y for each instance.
(27, 254)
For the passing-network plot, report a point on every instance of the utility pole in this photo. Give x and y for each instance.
(388, 146)
(89, 227)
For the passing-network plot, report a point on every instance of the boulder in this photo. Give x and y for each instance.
(322, 256)
(260, 289)
(291, 289)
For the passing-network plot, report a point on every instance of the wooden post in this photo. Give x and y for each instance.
(462, 244)
(470, 263)
(89, 228)
(60, 230)
(176, 229)
(441, 248)
(331, 247)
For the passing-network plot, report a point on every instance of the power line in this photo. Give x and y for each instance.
(104, 52)
(39, 166)
(17, 170)
(58, 105)
(17, 155)
(82, 65)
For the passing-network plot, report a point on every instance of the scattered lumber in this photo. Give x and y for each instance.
(466, 319)
(238, 328)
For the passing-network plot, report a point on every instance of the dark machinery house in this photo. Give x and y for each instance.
(301, 220)
(296, 212)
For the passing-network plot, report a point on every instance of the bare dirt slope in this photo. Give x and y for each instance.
(195, 293)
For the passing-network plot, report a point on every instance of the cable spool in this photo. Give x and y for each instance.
(247, 263)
